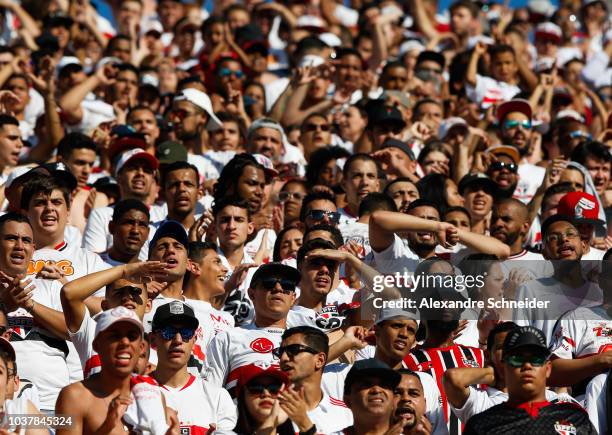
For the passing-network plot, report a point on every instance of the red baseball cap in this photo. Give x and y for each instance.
(581, 206)
(252, 371)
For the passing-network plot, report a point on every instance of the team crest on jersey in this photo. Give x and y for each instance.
(329, 318)
(424, 366)
(565, 428)
(469, 363)
(583, 204)
(262, 345)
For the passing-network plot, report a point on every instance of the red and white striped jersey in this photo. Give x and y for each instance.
(199, 405)
(230, 351)
(436, 361)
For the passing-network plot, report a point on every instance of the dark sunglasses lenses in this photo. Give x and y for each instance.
(318, 215)
(498, 166)
(518, 361)
(286, 285)
(273, 389)
(169, 332)
(292, 350)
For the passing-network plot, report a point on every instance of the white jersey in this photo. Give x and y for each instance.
(595, 402)
(334, 376)
(83, 342)
(212, 321)
(73, 260)
(396, 258)
(346, 217)
(252, 247)
(199, 405)
(231, 351)
(560, 298)
(41, 357)
(489, 91)
(17, 406)
(530, 178)
(238, 303)
(331, 415)
(535, 264)
(582, 332)
(479, 400)
(359, 233)
(328, 319)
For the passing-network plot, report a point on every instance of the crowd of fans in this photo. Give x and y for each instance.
(220, 218)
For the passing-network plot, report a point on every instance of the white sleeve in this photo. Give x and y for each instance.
(94, 236)
(596, 67)
(435, 413)
(477, 93)
(566, 338)
(477, 402)
(227, 414)
(387, 260)
(82, 339)
(595, 402)
(217, 360)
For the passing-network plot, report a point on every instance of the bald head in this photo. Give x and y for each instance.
(509, 223)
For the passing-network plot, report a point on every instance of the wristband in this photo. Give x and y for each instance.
(311, 431)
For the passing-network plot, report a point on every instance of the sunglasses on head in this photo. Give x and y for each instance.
(319, 215)
(256, 388)
(498, 166)
(226, 72)
(169, 332)
(508, 125)
(287, 285)
(517, 361)
(292, 350)
(580, 135)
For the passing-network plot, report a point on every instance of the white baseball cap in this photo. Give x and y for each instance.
(201, 100)
(16, 173)
(135, 153)
(449, 123)
(107, 318)
(388, 313)
(267, 164)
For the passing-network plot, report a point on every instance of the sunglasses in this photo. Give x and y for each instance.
(181, 114)
(580, 135)
(508, 125)
(319, 215)
(292, 350)
(498, 166)
(273, 389)
(288, 286)
(226, 72)
(517, 361)
(169, 332)
(315, 127)
(285, 196)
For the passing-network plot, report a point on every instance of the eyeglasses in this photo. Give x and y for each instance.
(169, 332)
(580, 135)
(181, 114)
(319, 215)
(315, 127)
(226, 72)
(293, 350)
(498, 166)
(558, 237)
(509, 125)
(517, 361)
(285, 196)
(287, 285)
(273, 389)
(388, 129)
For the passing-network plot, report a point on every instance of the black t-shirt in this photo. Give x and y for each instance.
(540, 418)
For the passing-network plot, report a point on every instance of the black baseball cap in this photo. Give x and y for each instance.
(174, 312)
(371, 367)
(396, 143)
(433, 56)
(60, 172)
(275, 270)
(169, 228)
(478, 178)
(58, 19)
(525, 337)
(382, 114)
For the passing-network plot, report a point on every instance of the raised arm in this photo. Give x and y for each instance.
(567, 372)
(383, 225)
(472, 70)
(70, 102)
(484, 244)
(456, 382)
(74, 293)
